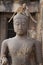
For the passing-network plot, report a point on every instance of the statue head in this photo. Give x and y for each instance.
(20, 23)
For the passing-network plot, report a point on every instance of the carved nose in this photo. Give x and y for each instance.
(20, 26)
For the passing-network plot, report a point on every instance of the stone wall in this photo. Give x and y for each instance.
(7, 5)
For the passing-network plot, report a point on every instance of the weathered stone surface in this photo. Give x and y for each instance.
(2, 7)
(6, 6)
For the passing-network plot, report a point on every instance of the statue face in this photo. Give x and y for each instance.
(20, 26)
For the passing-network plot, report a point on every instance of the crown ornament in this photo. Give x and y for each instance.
(23, 9)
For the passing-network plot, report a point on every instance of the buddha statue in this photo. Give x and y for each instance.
(18, 50)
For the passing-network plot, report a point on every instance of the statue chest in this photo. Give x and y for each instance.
(20, 52)
(20, 48)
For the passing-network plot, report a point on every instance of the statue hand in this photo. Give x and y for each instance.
(4, 61)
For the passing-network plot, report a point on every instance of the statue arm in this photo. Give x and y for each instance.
(38, 52)
(4, 53)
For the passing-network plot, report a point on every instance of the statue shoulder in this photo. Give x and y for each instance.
(6, 41)
(34, 40)
(37, 43)
(31, 39)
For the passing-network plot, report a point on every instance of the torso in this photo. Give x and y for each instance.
(20, 50)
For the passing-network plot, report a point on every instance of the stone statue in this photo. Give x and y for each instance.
(18, 50)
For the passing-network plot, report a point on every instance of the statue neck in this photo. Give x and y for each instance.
(21, 36)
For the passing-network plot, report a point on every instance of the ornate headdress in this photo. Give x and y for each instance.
(25, 11)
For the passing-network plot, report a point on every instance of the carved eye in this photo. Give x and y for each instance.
(17, 23)
(23, 23)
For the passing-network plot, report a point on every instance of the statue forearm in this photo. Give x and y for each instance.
(4, 60)
(39, 53)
